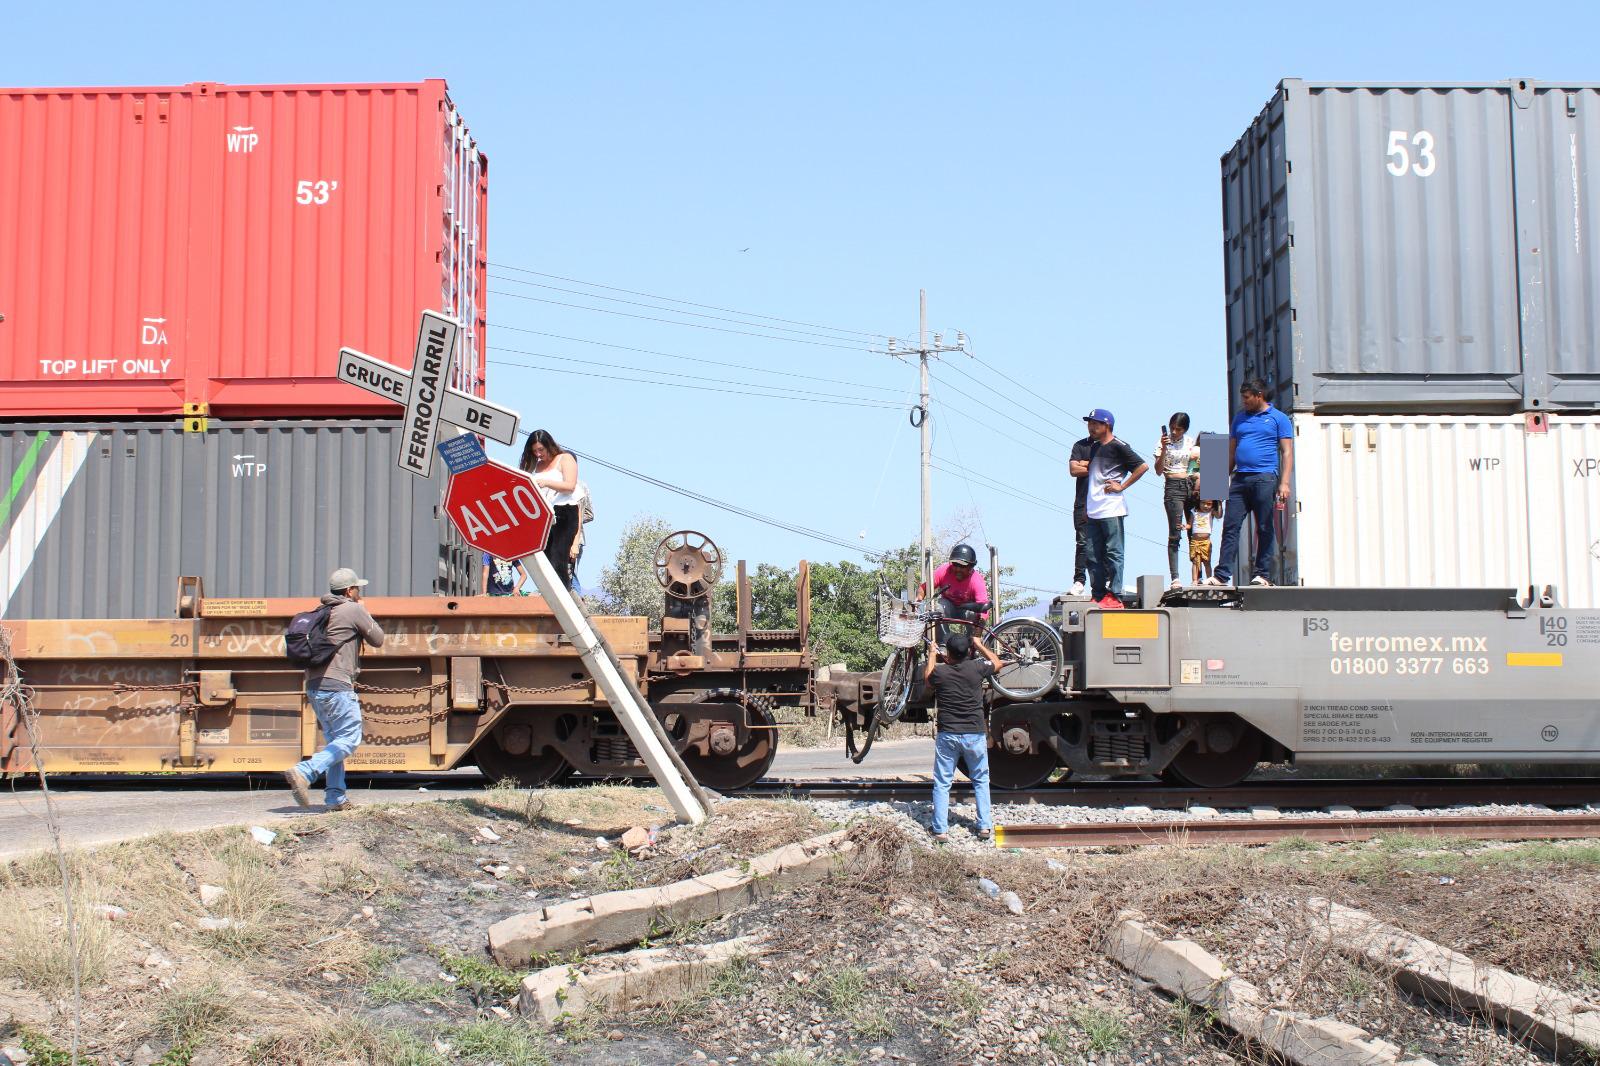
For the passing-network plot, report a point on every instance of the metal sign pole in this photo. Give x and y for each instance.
(683, 792)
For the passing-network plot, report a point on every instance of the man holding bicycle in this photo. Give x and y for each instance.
(963, 732)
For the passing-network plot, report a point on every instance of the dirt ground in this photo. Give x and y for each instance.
(359, 939)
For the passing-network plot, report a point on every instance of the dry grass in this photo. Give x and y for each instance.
(37, 950)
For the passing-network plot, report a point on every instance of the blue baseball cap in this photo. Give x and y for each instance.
(1100, 414)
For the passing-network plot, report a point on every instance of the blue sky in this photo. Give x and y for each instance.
(1048, 172)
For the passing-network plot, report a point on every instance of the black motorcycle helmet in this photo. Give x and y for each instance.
(963, 554)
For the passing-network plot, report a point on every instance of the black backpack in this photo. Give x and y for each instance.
(305, 642)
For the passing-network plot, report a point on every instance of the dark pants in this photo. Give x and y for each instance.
(1255, 495)
(1080, 528)
(1105, 557)
(1176, 501)
(562, 534)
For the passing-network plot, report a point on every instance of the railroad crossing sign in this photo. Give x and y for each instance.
(497, 509)
(427, 398)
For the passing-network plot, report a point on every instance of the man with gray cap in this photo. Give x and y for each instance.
(331, 688)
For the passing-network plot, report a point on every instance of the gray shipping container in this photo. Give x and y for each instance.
(1416, 248)
(100, 520)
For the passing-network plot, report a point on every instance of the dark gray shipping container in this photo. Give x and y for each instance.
(100, 520)
(1416, 248)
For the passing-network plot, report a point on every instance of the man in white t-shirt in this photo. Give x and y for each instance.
(1111, 468)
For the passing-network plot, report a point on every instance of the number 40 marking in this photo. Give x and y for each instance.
(1400, 158)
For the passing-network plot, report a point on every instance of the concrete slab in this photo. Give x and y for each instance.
(1183, 968)
(616, 919)
(638, 979)
(1558, 1022)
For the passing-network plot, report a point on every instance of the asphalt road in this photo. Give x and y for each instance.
(102, 813)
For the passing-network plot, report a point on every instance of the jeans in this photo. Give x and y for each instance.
(955, 610)
(339, 715)
(1080, 530)
(1255, 494)
(563, 531)
(1105, 557)
(973, 750)
(1176, 501)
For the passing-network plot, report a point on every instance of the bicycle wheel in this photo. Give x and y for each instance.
(1030, 654)
(894, 691)
(856, 749)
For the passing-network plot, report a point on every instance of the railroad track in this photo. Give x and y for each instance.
(1344, 830)
(1367, 794)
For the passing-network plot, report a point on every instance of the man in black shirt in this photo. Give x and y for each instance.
(1080, 515)
(963, 732)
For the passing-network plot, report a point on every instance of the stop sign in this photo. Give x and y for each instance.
(498, 510)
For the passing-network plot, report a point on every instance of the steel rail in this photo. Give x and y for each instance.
(1329, 830)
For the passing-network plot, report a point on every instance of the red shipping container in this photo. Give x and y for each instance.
(216, 245)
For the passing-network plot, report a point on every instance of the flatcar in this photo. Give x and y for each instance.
(1201, 685)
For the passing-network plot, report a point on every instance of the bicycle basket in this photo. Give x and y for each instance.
(899, 623)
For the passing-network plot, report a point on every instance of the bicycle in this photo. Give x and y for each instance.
(1029, 650)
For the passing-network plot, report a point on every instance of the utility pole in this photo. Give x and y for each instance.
(925, 556)
(924, 350)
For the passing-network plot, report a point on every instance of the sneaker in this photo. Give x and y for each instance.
(941, 838)
(298, 785)
(1109, 603)
(1215, 582)
(334, 808)
(1077, 588)
(1259, 580)
(1176, 584)
(985, 834)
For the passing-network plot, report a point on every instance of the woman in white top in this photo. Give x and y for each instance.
(555, 475)
(1172, 460)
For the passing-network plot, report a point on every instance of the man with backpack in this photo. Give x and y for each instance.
(327, 642)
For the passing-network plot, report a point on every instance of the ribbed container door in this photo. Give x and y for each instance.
(1557, 135)
(1564, 508)
(1409, 502)
(104, 519)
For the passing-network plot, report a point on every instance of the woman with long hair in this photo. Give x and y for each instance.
(1177, 448)
(555, 475)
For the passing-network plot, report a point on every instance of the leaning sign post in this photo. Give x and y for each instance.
(499, 510)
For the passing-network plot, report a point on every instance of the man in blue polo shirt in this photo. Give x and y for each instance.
(1261, 462)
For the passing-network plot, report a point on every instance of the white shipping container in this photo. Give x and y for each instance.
(1465, 501)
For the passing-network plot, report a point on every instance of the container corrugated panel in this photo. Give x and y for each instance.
(101, 520)
(1438, 502)
(1415, 248)
(217, 245)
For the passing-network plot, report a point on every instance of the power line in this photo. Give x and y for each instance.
(996, 482)
(697, 388)
(1020, 385)
(1046, 419)
(874, 401)
(668, 310)
(694, 359)
(675, 322)
(688, 303)
(743, 512)
(1020, 425)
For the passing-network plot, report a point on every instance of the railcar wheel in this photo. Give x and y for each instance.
(1235, 748)
(534, 769)
(1012, 762)
(1031, 654)
(751, 755)
(894, 691)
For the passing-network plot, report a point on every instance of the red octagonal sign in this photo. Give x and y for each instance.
(498, 510)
